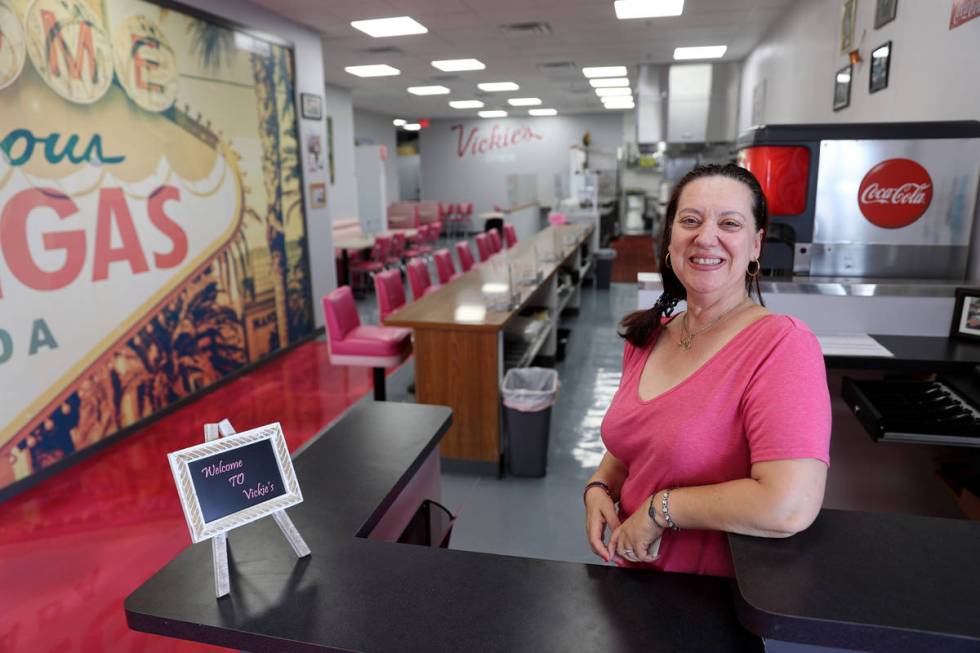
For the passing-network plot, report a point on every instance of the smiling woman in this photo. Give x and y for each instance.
(722, 419)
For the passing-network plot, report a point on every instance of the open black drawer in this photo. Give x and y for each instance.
(945, 411)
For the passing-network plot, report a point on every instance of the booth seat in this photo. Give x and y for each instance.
(409, 215)
(345, 227)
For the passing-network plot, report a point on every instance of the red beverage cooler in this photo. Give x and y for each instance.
(892, 200)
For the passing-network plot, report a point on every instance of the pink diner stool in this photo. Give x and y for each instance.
(465, 255)
(495, 242)
(418, 246)
(557, 218)
(510, 235)
(390, 291)
(465, 213)
(419, 279)
(375, 264)
(435, 231)
(444, 266)
(397, 250)
(483, 247)
(350, 343)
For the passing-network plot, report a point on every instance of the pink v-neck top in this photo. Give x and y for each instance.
(762, 397)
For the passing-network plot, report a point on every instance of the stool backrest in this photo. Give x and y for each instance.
(340, 313)
(390, 291)
(397, 245)
(418, 277)
(465, 255)
(483, 246)
(510, 235)
(444, 264)
(445, 209)
(382, 245)
(466, 209)
(435, 229)
(495, 242)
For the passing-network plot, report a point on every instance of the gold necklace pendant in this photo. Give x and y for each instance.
(687, 341)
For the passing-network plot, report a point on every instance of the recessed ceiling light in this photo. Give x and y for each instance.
(412, 126)
(700, 52)
(466, 104)
(397, 26)
(428, 90)
(498, 86)
(605, 71)
(453, 65)
(542, 112)
(626, 9)
(374, 70)
(619, 103)
(611, 92)
(398, 122)
(606, 82)
(493, 114)
(524, 101)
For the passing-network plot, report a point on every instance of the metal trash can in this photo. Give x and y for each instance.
(603, 267)
(529, 393)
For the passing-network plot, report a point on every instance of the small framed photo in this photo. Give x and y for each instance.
(966, 314)
(848, 15)
(318, 195)
(842, 87)
(885, 12)
(880, 61)
(311, 106)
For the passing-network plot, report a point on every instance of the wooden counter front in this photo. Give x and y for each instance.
(459, 343)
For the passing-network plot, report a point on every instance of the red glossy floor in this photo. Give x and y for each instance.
(73, 547)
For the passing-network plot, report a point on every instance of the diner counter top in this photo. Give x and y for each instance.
(461, 304)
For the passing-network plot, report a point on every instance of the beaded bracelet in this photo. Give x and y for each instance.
(652, 511)
(664, 509)
(604, 487)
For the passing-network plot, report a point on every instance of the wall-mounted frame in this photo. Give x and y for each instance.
(311, 106)
(848, 14)
(842, 87)
(880, 62)
(966, 314)
(318, 195)
(885, 12)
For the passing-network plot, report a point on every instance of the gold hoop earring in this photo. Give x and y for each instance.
(667, 262)
(750, 272)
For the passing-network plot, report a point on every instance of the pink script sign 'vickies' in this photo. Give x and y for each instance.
(473, 142)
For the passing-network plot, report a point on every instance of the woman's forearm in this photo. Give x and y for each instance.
(611, 472)
(778, 503)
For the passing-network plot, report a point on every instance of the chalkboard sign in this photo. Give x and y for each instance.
(234, 480)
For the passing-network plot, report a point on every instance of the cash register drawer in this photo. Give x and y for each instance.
(945, 411)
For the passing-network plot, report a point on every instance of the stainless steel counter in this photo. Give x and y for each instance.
(840, 286)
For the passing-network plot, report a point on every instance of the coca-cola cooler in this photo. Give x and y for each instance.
(893, 200)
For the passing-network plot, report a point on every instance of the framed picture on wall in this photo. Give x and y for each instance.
(848, 14)
(311, 105)
(318, 195)
(885, 12)
(880, 60)
(966, 314)
(842, 87)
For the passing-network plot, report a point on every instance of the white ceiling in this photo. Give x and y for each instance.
(583, 32)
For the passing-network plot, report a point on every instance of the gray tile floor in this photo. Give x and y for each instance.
(543, 518)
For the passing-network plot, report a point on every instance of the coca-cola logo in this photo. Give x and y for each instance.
(895, 193)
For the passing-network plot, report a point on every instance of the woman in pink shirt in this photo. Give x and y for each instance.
(722, 418)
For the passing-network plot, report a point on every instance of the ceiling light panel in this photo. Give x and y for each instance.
(605, 71)
(606, 82)
(498, 86)
(428, 90)
(466, 104)
(618, 103)
(524, 101)
(398, 122)
(455, 65)
(396, 26)
(700, 52)
(493, 114)
(374, 70)
(612, 92)
(542, 112)
(627, 9)
(412, 126)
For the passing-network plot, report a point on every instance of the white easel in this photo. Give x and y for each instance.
(219, 543)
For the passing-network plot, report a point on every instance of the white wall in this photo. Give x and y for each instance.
(378, 129)
(342, 196)
(522, 146)
(309, 79)
(933, 69)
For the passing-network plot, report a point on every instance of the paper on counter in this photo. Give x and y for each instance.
(859, 344)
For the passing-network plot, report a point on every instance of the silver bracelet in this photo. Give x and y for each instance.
(666, 511)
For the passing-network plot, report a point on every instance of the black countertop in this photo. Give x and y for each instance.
(865, 581)
(358, 594)
(915, 354)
